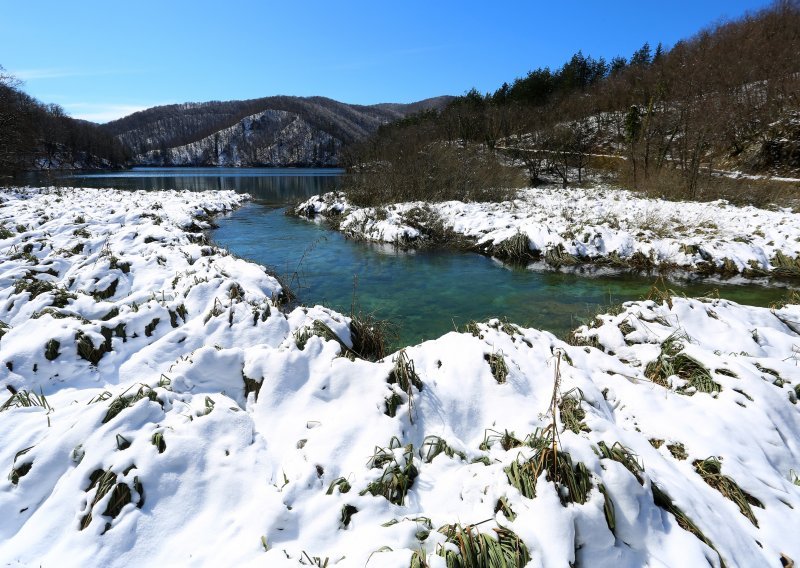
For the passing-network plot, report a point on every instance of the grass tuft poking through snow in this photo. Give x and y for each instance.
(25, 399)
(473, 549)
(125, 400)
(573, 481)
(398, 474)
(710, 469)
(672, 361)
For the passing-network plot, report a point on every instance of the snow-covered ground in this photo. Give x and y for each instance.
(169, 413)
(600, 224)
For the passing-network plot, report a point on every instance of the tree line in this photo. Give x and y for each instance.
(35, 135)
(661, 120)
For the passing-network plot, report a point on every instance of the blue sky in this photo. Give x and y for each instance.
(102, 60)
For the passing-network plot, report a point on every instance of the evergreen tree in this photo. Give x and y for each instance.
(659, 54)
(501, 95)
(642, 57)
(618, 65)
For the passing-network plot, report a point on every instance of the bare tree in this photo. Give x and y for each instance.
(583, 135)
(558, 145)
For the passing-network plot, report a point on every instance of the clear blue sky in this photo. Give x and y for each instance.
(105, 59)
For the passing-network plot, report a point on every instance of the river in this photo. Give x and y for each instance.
(425, 293)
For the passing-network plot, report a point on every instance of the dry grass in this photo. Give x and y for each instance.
(669, 184)
(106, 482)
(433, 445)
(503, 549)
(661, 499)
(21, 470)
(673, 361)
(398, 475)
(497, 366)
(514, 250)
(558, 256)
(623, 455)
(339, 483)
(24, 398)
(710, 469)
(432, 227)
(571, 413)
(574, 482)
(405, 377)
(125, 400)
(371, 336)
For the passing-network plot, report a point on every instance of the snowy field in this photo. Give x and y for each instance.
(600, 225)
(168, 412)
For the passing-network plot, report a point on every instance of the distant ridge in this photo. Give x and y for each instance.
(270, 131)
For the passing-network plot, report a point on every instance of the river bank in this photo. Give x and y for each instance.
(597, 227)
(167, 408)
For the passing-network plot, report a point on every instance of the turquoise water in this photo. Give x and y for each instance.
(426, 293)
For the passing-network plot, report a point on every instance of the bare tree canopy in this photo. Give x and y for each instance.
(35, 135)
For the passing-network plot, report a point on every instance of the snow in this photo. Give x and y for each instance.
(736, 174)
(242, 479)
(592, 225)
(274, 137)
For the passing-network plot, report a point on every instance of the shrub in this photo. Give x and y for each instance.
(410, 170)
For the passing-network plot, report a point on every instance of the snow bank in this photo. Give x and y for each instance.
(184, 419)
(600, 225)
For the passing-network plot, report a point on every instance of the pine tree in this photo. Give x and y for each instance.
(618, 64)
(659, 53)
(642, 57)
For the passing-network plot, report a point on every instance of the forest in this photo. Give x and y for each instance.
(34, 135)
(663, 121)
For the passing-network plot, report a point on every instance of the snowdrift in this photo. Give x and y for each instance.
(164, 408)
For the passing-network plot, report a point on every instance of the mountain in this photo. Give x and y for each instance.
(270, 131)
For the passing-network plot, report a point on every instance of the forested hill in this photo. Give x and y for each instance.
(705, 118)
(270, 131)
(35, 135)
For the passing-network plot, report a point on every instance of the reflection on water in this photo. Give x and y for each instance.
(271, 185)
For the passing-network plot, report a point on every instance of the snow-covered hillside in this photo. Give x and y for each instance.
(271, 137)
(167, 411)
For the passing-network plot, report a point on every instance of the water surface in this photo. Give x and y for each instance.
(428, 293)
(269, 185)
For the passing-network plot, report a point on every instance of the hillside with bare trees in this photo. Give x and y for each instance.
(677, 122)
(34, 136)
(270, 131)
